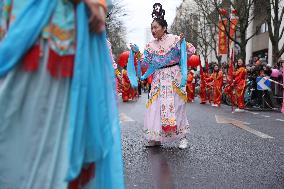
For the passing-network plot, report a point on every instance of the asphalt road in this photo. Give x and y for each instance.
(227, 150)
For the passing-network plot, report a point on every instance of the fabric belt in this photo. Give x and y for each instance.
(168, 66)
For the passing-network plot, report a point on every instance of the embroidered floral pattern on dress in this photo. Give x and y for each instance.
(152, 133)
(62, 29)
(156, 86)
(164, 86)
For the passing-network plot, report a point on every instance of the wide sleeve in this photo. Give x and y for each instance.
(147, 61)
(183, 62)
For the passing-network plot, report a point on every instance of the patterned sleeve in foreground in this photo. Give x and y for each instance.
(104, 3)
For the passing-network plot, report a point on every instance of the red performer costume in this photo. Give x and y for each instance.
(240, 84)
(190, 86)
(202, 92)
(217, 78)
(128, 93)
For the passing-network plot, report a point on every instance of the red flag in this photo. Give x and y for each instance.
(222, 37)
(231, 67)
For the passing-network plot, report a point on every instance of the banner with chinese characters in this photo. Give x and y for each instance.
(233, 25)
(223, 44)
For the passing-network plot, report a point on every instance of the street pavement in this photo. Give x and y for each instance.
(227, 150)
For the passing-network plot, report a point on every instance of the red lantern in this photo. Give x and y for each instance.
(223, 12)
(123, 59)
(193, 61)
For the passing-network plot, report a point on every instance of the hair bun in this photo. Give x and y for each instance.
(158, 11)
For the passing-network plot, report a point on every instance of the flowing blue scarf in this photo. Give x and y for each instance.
(24, 32)
(94, 134)
(131, 70)
(157, 64)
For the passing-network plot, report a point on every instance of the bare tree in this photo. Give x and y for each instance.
(116, 29)
(197, 30)
(185, 22)
(275, 15)
(245, 11)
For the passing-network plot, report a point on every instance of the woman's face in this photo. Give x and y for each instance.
(240, 62)
(157, 30)
(216, 68)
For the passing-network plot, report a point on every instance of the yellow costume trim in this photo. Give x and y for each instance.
(180, 93)
(61, 34)
(150, 101)
(139, 55)
(117, 73)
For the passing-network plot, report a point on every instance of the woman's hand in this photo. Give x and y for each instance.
(134, 48)
(97, 17)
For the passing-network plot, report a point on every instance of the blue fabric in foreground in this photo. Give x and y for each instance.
(131, 70)
(24, 32)
(94, 134)
(94, 129)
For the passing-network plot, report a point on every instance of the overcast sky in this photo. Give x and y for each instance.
(139, 17)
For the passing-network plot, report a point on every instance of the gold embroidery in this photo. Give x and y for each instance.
(151, 100)
(61, 34)
(180, 93)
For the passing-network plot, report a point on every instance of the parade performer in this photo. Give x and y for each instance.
(208, 83)
(202, 92)
(128, 93)
(209, 87)
(59, 121)
(190, 86)
(217, 79)
(240, 85)
(166, 55)
(116, 71)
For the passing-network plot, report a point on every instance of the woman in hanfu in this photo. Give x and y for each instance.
(57, 131)
(166, 55)
(116, 71)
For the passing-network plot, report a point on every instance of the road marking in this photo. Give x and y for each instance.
(265, 116)
(279, 120)
(246, 123)
(254, 113)
(241, 125)
(124, 118)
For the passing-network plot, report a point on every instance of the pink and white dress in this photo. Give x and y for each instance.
(165, 118)
(114, 64)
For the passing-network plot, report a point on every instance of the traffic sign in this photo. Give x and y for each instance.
(263, 84)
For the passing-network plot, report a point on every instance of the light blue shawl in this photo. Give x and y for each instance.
(94, 134)
(156, 62)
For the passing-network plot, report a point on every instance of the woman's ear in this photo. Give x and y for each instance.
(165, 29)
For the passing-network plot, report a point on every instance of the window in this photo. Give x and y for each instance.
(262, 28)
